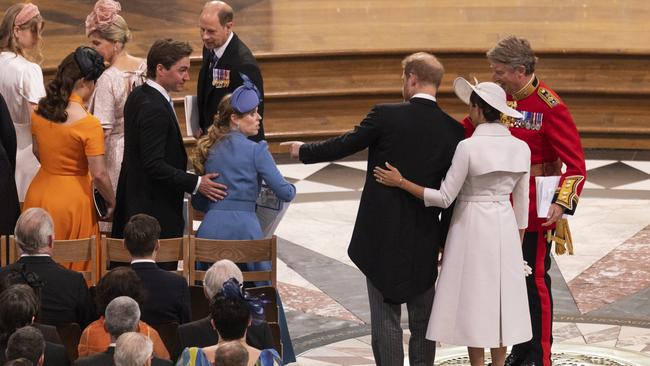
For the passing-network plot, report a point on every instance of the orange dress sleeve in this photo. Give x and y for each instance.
(93, 137)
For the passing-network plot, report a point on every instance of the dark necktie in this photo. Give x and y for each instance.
(213, 60)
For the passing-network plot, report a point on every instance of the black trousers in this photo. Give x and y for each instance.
(537, 252)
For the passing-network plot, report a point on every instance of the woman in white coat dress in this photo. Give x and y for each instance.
(481, 299)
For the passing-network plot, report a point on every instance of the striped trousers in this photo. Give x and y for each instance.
(387, 344)
(536, 252)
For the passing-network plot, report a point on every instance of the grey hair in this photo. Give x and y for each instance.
(33, 230)
(122, 315)
(219, 273)
(514, 51)
(132, 349)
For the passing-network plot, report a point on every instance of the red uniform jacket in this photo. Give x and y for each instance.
(550, 133)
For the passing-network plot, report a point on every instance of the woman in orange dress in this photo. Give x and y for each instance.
(69, 142)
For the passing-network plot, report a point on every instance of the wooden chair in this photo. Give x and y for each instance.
(4, 254)
(171, 250)
(67, 251)
(238, 251)
(70, 334)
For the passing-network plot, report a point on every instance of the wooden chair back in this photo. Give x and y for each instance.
(4, 254)
(171, 250)
(68, 251)
(238, 251)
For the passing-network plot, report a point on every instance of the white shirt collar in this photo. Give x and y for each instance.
(143, 261)
(35, 255)
(424, 96)
(160, 89)
(219, 51)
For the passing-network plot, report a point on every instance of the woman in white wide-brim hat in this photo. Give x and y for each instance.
(481, 300)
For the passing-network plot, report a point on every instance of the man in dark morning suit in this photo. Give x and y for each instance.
(18, 308)
(225, 56)
(153, 178)
(396, 239)
(168, 297)
(201, 333)
(8, 194)
(121, 316)
(64, 294)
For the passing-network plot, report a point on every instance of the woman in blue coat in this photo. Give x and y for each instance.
(242, 165)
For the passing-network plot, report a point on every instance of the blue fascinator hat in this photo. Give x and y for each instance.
(245, 98)
(231, 288)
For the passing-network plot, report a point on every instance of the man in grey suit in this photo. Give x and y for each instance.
(396, 239)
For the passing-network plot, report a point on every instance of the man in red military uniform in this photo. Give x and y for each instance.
(553, 139)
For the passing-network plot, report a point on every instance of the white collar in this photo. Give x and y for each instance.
(220, 51)
(143, 261)
(160, 89)
(35, 255)
(424, 96)
(491, 129)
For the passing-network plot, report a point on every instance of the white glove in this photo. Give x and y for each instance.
(527, 270)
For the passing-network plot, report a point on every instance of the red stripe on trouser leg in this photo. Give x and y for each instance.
(544, 299)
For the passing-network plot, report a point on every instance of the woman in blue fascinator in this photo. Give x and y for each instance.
(242, 165)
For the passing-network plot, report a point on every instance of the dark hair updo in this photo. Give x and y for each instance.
(84, 63)
(490, 113)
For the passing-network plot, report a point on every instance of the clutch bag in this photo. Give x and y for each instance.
(100, 203)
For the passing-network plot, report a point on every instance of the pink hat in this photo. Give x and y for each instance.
(102, 16)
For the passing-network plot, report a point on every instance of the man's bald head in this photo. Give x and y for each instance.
(220, 10)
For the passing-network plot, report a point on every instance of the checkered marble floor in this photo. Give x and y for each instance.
(602, 293)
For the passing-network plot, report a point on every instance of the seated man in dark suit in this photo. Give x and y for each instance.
(201, 333)
(64, 295)
(121, 316)
(28, 343)
(18, 308)
(168, 297)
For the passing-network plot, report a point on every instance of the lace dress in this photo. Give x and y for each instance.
(107, 104)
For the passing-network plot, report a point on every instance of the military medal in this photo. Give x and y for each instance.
(220, 78)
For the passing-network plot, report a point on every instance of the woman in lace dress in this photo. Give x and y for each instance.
(108, 34)
(21, 82)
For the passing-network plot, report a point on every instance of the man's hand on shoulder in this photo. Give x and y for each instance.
(212, 190)
(294, 148)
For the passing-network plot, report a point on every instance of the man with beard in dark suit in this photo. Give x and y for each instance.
(153, 178)
(225, 57)
(396, 239)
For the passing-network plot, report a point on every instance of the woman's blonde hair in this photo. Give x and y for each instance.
(219, 128)
(118, 31)
(8, 41)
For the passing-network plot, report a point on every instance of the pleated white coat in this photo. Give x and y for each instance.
(481, 298)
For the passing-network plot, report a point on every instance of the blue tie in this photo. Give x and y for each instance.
(213, 60)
